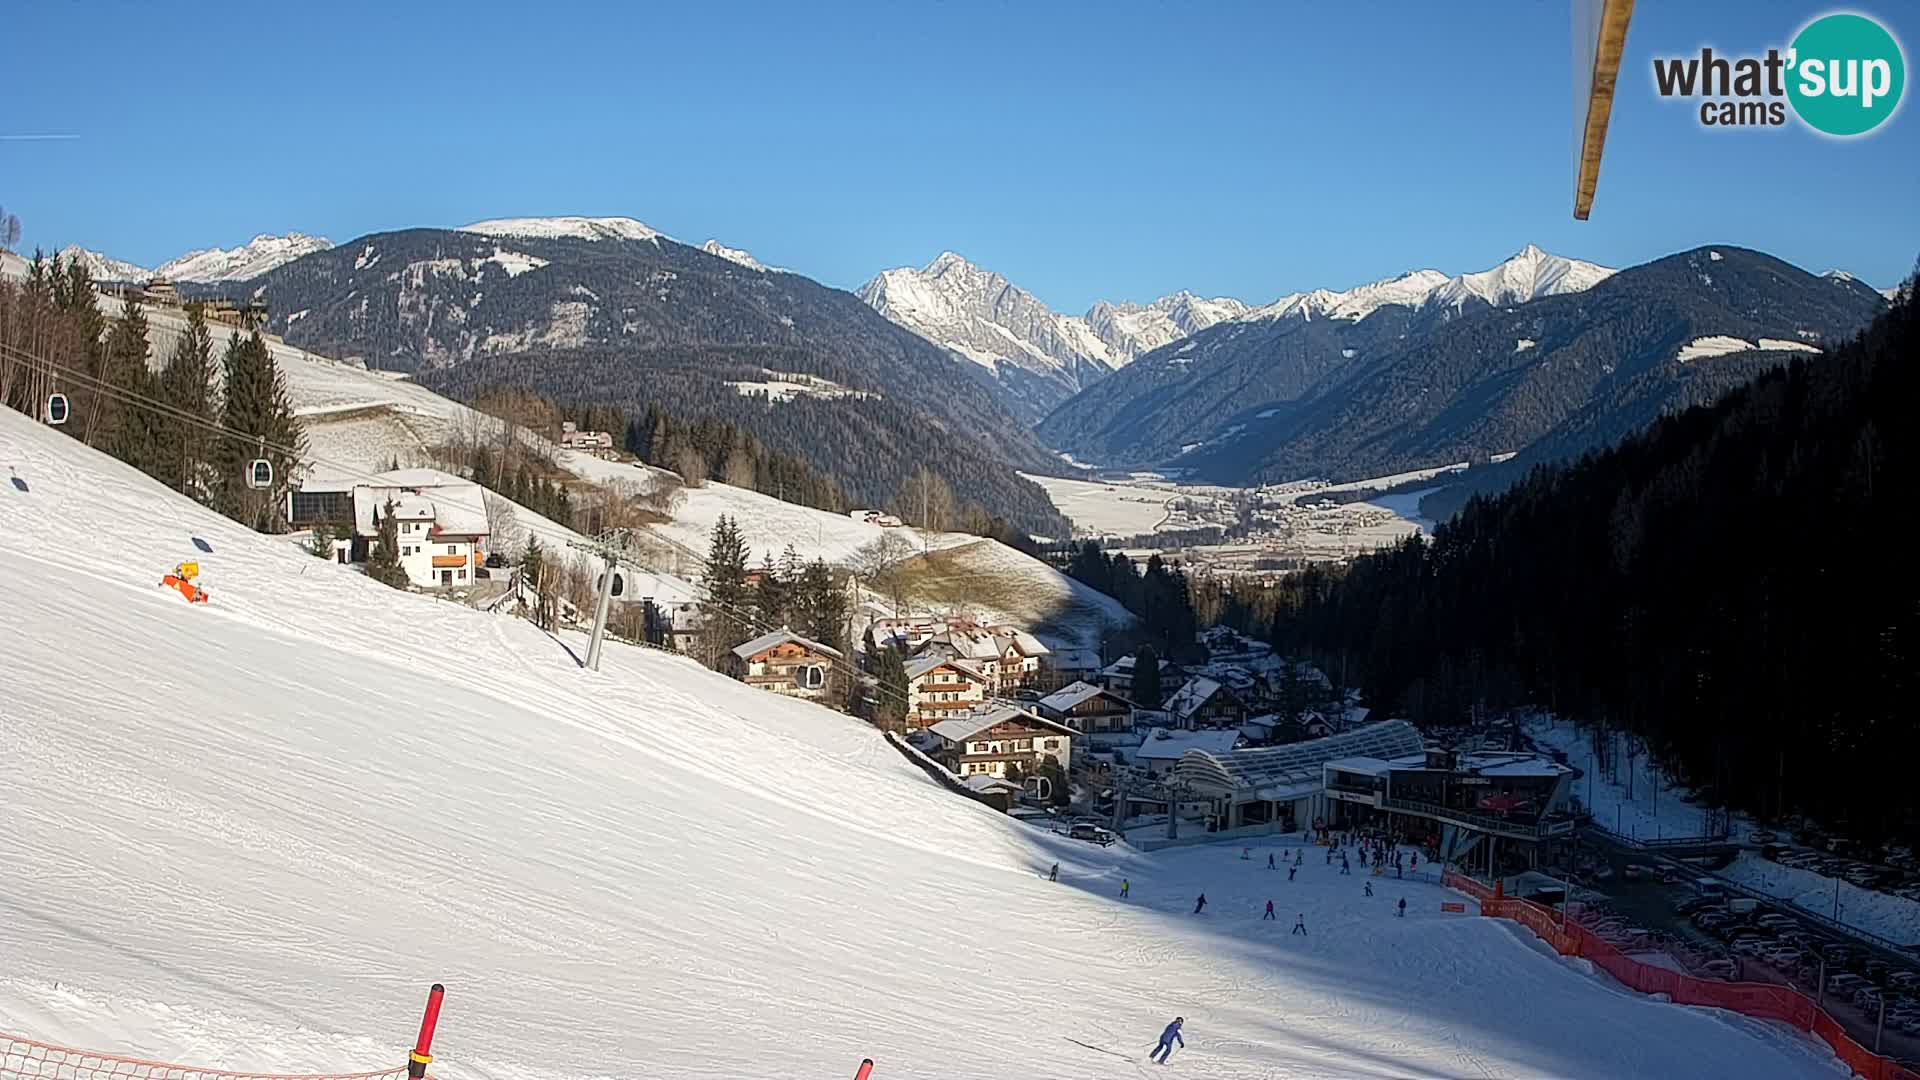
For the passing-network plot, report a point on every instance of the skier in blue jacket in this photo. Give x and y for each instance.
(1167, 1038)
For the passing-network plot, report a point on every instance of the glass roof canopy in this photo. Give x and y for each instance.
(1287, 772)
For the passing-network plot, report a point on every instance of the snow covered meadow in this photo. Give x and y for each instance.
(249, 833)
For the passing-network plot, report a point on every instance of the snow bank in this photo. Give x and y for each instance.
(1893, 917)
(1657, 809)
(249, 833)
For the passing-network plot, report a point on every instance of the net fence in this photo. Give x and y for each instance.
(26, 1058)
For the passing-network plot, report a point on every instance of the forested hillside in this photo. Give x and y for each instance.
(636, 321)
(1732, 585)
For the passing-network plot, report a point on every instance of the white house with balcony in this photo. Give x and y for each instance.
(939, 687)
(440, 525)
(985, 742)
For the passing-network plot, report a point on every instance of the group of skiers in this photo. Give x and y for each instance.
(1381, 847)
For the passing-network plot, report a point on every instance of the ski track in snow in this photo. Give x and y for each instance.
(248, 834)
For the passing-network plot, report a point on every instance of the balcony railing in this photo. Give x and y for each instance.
(1483, 823)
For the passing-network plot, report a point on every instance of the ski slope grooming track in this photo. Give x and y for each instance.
(247, 834)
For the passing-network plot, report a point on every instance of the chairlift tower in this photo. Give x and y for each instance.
(612, 546)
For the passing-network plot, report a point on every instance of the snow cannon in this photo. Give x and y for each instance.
(181, 581)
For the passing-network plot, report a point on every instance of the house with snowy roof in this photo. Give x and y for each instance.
(1106, 718)
(783, 662)
(1008, 656)
(1118, 676)
(1204, 703)
(985, 742)
(940, 686)
(441, 524)
(1064, 666)
(1161, 750)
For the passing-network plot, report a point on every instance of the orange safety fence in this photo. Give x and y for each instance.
(1768, 1001)
(25, 1057)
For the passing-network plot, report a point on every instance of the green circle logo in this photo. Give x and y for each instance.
(1847, 74)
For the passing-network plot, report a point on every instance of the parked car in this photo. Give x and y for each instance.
(1687, 905)
(1763, 836)
(1845, 983)
(1093, 834)
(1719, 968)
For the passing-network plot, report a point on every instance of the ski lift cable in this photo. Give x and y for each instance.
(140, 401)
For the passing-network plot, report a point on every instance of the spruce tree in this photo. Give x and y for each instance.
(726, 583)
(890, 695)
(822, 606)
(383, 562)
(1146, 677)
(184, 448)
(125, 423)
(259, 422)
(773, 596)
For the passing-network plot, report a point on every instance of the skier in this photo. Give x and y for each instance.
(1329, 856)
(1299, 925)
(1246, 853)
(1369, 888)
(1414, 864)
(1397, 869)
(1363, 856)
(1269, 913)
(1124, 886)
(1345, 866)
(1402, 913)
(1269, 860)
(1200, 903)
(1167, 1038)
(1054, 874)
(1292, 870)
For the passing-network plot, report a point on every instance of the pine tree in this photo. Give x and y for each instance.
(383, 562)
(259, 422)
(1146, 677)
(183, 448)
(726, 583)
(533, 573)
(822, 606)
(125, 422)
(773, 596)
(890, 695)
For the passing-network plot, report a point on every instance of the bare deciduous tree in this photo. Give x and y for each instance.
(503, 527)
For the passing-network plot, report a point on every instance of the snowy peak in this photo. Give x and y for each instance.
(104, 267)
(1408, 290)
(738, 256)
(980, 315)
(249, 260)
(577, 228)
(1530, 274)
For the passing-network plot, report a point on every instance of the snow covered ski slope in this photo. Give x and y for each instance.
(249, 833)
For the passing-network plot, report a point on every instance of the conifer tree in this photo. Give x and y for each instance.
(183, 448)
(259, 422)
(726, 583)
(383, 562)
(1146, 677)
(821, 606)
(890, 695)
(125, 423)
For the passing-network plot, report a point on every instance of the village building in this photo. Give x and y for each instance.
(1009, 657)
(987, 741)
(939, 687)
(1160, 752)
(786, 663)
(596, 442)
(1104, 717)
(1205, 703)
(1065, 666)
(1118, 676)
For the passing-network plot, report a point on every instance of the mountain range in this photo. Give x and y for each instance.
(611, 310)
(249, 260)
(1035, 357)
(953, 365)
(1416, 371)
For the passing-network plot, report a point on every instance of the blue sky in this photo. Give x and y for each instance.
(1119, 149)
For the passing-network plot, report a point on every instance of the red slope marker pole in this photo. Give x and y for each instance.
(422, 1055)
(866, 1070)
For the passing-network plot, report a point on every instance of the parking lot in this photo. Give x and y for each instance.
(1646, 904)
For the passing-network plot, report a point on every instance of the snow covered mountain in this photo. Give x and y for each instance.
(104, 267)
(738, 255)
(1036, 356)
(249, 260)
(246, 834)
(1531, 273)
(578, 228)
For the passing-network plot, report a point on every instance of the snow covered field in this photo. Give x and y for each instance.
(1655, 811)
(1103, 509)
(249, 833)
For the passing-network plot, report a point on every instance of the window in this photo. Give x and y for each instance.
(1050, 744)
(463, 575)
(811, 678)
(451, 550)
